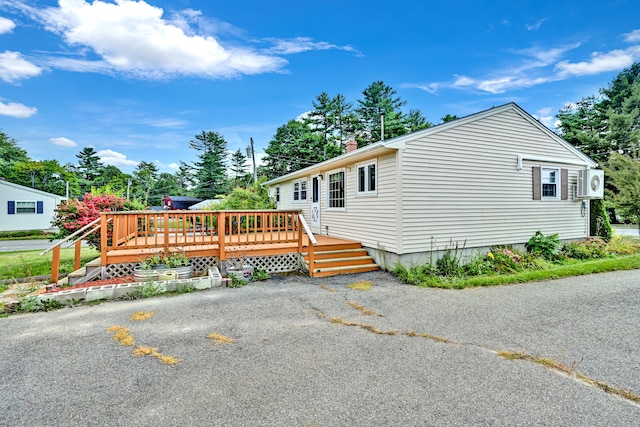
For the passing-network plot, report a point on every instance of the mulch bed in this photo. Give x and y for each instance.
(115, 281)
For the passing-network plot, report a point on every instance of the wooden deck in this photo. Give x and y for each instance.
(130, 237)
(234, 246)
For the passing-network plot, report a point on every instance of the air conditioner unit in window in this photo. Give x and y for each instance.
(590, 184)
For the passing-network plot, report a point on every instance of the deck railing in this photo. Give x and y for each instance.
(164, 230)
(145, 232)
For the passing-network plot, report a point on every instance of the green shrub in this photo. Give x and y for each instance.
(592, 247)
(449, 263)
(548, 247)
(236, 282)
(260, 275)
(31, 304)
(478, 266)
(600, 224)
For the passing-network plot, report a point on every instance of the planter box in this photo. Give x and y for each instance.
(244, 273)
(168, 273)
(100, 292)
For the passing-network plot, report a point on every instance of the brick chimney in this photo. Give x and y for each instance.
(352, 145)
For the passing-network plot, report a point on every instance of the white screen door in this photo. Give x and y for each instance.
(315, 203)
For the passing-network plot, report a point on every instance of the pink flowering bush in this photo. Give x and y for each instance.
(72, 215)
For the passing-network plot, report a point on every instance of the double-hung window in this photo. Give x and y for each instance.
(550, 178)
(336, 190)
(366, 178)
(25, 207)
(300, 191)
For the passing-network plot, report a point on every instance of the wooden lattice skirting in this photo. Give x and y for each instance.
(283, 263)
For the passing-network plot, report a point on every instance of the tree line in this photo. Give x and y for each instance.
(606, 127)
(318, 135)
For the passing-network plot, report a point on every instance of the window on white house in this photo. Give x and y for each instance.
(277, 194)
(550, 179)
(25, 207)
(300, 191)
(336, 190)
(366, 179)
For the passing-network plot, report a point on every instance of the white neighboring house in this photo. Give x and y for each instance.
(25, 208)
(491, 178)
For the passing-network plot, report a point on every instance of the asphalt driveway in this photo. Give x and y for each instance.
(307, 353)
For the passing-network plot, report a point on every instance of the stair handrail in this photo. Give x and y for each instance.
(307, 230)
(312, 243)
(55, 259)
(88, 232)
(78, 231)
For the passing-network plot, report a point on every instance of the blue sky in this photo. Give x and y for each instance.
(136, 80)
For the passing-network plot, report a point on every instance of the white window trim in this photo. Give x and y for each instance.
(299, 192)
(558, 184)
(35, 207)
(344, 189)
(365, 165)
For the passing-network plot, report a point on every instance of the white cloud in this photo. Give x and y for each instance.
(63, 142)
(303, 44)
(6, 25)
(163, 123)
(13, 67)
(132, 37)
(536, 25)
(110, 157)
(546, 117)
(16, 110)
(632, 37)
(173, 166)
(540, 66)
(599, 63)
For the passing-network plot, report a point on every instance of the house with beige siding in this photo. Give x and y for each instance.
(491, 178)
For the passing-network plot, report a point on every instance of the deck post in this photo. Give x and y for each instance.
(166, 232)
(299, 227)
(55, 264)
(103, 238)
(221, 237)
(311, 259)
(76, 255)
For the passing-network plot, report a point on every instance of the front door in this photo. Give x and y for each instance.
(315, 203)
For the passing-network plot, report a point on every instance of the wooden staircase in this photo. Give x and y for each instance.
(90, 271)
(345, 258)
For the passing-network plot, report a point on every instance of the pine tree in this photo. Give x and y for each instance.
(238, 166)
(211, 167)
(89, 168)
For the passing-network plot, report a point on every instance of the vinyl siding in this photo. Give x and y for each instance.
(31, 221)
(371, 220)
(286, 199)
(462, 186)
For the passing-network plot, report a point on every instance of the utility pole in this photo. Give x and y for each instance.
(253, 157)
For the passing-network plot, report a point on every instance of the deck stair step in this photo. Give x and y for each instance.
(89, 272)
(318, 255)
(331, 261)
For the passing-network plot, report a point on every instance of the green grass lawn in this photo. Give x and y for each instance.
(20, 264)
